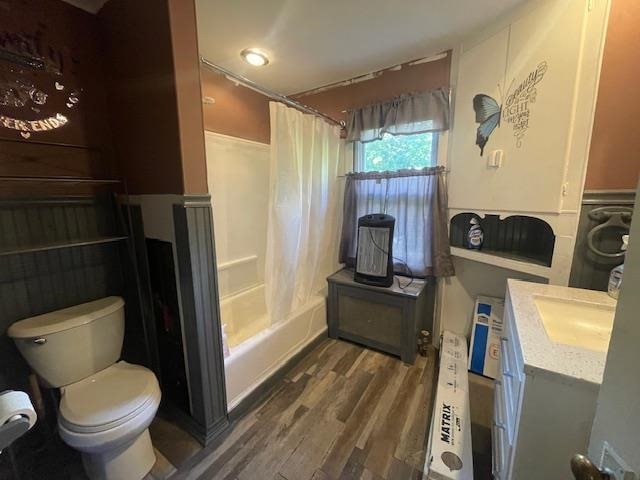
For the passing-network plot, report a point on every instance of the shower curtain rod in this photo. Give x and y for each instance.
(234, 77)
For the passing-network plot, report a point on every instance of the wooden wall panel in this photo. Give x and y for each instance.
(201, 316)
(36, 159)
(67, 40)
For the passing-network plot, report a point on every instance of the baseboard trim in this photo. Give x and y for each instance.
(204, 435)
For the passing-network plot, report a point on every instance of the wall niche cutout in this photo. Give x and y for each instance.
(518, 237)
(173, 376)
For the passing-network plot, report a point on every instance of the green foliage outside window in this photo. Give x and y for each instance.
(395, 152)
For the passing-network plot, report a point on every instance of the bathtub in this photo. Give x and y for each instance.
(243, 315)
(257, 348)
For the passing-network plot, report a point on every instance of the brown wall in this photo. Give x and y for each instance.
(241, 112)
(154, 100)
(136, 69)
(67, 39)
(416, 78)
(237, 111)
(142, 98)
(614, 158)
(186, 61)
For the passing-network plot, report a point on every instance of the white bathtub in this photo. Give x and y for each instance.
(257, 348)
(243, 315)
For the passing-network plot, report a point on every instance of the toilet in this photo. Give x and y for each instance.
(106, 405)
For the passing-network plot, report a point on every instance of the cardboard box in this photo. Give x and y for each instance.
(487, 328)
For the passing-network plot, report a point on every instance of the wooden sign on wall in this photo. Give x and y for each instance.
(51, 84)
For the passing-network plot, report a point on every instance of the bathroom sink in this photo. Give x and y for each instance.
(576, 323)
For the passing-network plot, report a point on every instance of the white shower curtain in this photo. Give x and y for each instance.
(304, 215)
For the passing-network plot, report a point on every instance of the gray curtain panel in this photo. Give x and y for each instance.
(417, 199)
(409, 113)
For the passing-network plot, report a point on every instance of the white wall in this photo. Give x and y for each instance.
(473, 279)
(566, 35)
(543, 175)
(617, 418)
(238, 179)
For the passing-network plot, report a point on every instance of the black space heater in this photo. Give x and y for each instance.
(374, 256)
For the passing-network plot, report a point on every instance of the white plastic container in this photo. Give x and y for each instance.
(615, 278)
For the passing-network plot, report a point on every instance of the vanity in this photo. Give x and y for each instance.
(552, 358)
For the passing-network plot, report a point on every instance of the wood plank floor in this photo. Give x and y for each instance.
(343, 412)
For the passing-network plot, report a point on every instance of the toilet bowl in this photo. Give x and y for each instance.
(106, 406)
(106, 416)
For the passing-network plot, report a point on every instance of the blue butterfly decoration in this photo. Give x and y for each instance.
(488, 114)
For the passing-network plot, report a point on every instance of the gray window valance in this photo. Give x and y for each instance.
(409, 113)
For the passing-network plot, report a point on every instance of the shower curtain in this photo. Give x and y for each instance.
(304, 215)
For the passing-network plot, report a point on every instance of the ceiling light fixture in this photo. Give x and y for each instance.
(255, 57)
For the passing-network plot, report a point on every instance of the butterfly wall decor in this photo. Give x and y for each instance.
(515, 110)
(488, 114)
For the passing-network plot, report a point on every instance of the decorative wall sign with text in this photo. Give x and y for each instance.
(33, 92)
(25, 127)
(515, 111)
(516, 108)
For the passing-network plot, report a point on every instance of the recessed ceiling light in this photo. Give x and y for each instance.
(255, 57)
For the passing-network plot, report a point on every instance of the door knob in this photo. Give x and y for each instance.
(584, 469)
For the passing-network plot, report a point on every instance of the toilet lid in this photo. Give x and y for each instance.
(109, 397)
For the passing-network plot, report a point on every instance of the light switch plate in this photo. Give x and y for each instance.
(494, 159)
(611, 461)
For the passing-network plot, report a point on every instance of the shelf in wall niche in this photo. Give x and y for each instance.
(63, 244)
(503, 260)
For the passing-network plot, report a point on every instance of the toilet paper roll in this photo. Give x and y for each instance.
(14, 404)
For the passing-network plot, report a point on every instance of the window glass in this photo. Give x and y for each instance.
(396, 152)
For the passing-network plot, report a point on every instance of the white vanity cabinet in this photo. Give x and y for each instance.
(541, 418)
(508, 393)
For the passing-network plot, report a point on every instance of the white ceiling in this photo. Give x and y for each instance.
(312, 43)
(91, 6)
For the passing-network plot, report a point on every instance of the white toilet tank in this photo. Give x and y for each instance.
(67, 345)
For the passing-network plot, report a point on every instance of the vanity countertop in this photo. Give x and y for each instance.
(540, 353)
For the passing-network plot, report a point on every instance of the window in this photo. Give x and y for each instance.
(396, 152)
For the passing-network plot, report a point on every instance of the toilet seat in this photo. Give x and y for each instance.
(108, 398)
(113, 400)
